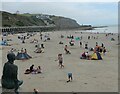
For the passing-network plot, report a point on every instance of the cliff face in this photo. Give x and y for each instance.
(9, 20)
(65, 23)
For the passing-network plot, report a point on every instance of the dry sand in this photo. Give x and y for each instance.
(88, 75)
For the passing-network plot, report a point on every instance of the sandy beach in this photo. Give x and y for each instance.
(88, 75)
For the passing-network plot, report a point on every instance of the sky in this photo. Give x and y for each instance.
(94, 13)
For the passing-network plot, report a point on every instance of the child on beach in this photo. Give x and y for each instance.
(60, 59)
(70, 78)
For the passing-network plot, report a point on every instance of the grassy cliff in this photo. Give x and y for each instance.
(10, 20)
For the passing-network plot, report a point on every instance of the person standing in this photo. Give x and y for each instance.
(104, 50)
(80, 44)
(60, 59)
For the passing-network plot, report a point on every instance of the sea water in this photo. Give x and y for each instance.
(108, 29)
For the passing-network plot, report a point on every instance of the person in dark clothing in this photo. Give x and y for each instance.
(66, 50)
(80, 44)
(32, 68)
(102, 45)
(42, 45)
(104, 50)
(86, 46)
(9, 78)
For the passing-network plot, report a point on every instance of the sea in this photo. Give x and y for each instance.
(108, 29)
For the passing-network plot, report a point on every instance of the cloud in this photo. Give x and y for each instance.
(60, 0)
(84, 13)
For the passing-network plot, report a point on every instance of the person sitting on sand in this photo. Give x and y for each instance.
(83, 56)
(38, 50)
(66, 50)
(12, 50)
(71, 43)
(87, 55)
(25, 51)
(39, 70)
(35, 91)
(32, 68)
(23, 41)
(60, 42)
(62, 36)
(22, 51)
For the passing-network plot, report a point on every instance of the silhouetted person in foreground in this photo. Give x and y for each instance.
(10, 71)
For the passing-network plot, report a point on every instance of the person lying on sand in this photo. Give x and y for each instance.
(34, 41)
(33, 70)
(39, 50)
(60, 42)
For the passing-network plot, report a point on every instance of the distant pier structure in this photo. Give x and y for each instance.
(27, 29)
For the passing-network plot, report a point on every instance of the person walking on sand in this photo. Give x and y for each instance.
(60, 59)
(80, 44)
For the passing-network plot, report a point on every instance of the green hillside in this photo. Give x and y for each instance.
(11, 20)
